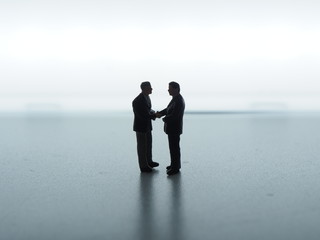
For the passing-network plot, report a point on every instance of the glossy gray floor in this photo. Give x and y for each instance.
(250, 176)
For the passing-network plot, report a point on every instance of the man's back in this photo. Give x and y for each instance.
(142, 118)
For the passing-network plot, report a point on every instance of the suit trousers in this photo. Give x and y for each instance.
(174, 146)
(144, 148)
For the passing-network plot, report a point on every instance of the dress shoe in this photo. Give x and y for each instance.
(168, 167)
(147, 169)
(153, 164)
(173, 171)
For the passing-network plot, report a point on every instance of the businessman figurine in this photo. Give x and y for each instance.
(142, 126)
(173, 122)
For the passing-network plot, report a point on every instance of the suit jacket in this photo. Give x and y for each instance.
(173, 120)
(142, 114)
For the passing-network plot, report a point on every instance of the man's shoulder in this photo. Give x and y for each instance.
(138, 98)
(179, 98)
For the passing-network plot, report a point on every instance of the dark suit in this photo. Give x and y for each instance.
(173, 124)
(142, 126)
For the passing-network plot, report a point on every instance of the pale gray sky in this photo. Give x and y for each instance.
(92, 55)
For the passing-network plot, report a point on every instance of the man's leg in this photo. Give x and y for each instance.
(151, 163)
(149, 146)
(142, 150)
(174, 146)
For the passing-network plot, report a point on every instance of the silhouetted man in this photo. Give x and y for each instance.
(142, 126)
(173, 122)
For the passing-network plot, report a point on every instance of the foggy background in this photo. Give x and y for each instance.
(92, 55)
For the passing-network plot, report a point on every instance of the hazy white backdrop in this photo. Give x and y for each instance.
(70, 55)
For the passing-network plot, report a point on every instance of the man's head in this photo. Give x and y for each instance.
(174, 88)
(146, 88)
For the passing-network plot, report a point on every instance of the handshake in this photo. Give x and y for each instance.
(155, 114)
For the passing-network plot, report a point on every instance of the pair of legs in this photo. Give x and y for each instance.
(175, 155)
(144, 147)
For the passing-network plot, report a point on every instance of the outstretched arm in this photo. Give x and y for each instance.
(161, 113)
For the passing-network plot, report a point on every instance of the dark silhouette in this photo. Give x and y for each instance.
(142, 126)
(173, 122)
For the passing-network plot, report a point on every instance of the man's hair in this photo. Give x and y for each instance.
(175, 85)
(143, 85)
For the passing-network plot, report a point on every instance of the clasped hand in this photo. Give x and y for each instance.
(155, 114)
(158, 115)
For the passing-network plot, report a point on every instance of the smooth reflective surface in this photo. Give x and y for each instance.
(77, 177)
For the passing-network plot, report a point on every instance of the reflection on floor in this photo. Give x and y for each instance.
(244, 176)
